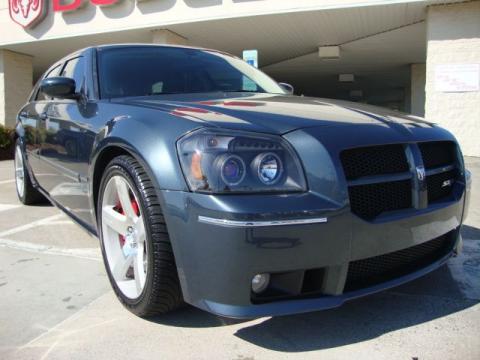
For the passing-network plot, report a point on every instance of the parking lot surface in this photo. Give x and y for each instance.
(56, 303)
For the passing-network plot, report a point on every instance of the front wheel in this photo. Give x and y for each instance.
(135, 243)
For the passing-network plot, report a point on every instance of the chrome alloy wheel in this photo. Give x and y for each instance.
(124, 237)
(19, 171)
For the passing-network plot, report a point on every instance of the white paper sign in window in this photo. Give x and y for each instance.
(457, 77)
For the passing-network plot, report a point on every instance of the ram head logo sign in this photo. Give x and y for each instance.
(27, 13)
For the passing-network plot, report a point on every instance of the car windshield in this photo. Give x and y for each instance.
(143, 71)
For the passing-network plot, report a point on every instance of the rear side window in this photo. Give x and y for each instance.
(75, 69)
(54, 72)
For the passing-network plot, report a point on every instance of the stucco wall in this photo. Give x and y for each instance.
(453, 34)
(16, 76)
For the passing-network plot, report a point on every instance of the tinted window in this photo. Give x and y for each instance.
(75, 69)
(141, 71)
(53, 72)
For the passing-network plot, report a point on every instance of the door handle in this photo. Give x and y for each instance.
(43, 116)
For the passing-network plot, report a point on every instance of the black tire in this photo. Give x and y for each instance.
(29, 195)
(162, 292)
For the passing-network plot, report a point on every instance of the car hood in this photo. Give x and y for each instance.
(278, 114)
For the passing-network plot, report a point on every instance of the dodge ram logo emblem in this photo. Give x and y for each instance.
(27, 12)
(421, 173)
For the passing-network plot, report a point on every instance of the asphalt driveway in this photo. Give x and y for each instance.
(56, 303)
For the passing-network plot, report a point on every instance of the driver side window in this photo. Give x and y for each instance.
(75, 69)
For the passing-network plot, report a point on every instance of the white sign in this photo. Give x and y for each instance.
(251, 57)
(457, 77)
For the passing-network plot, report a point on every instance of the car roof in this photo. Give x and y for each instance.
(122, 45)
(126, 45)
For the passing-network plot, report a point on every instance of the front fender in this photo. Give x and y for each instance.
(153, 146)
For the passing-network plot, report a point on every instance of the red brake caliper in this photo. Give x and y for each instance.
(118, 208)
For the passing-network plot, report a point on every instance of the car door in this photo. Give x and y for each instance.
(33, 117)
(68, 144)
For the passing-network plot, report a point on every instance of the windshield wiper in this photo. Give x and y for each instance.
(164, 93)
(247, 91)
(201, 92)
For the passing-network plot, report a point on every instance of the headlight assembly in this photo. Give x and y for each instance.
(215, 161)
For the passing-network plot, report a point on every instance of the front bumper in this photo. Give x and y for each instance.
(216, 262)
(313, 304)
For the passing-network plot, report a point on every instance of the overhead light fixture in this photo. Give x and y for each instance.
(329, 52)
(348, 78)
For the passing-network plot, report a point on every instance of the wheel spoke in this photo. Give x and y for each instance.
(138, 270)
(124, 197)
(114, 220)
(121, 266)
(140, 227)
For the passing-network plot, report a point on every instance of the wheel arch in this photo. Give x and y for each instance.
(102, 158)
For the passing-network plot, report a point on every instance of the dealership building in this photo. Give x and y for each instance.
(421, 57)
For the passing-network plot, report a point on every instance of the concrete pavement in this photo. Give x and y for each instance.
(56, 303)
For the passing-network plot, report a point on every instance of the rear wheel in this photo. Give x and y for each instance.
(26, 193)
(135, 244)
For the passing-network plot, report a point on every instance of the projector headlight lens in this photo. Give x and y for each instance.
(216, 161)
(232, 169)
(269, 168)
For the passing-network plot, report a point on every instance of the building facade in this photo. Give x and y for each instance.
(421, 57)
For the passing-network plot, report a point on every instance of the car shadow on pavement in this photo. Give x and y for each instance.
(192, 317)
(470, 232)
(43, 204)
(363, 319)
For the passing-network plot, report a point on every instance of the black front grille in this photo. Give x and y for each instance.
(375, 160)
(369, 201)
(376, 270)
(438, 153)
(440, 186)
(373, 174)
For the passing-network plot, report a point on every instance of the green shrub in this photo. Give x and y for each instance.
(6, 137)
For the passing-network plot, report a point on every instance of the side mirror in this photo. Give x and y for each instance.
(58, 87)
(287, 87)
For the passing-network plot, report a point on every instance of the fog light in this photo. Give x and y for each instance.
(260, 283)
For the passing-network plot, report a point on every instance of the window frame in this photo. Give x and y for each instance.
(84, 77)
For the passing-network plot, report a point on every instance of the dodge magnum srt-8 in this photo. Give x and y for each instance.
(209, 183)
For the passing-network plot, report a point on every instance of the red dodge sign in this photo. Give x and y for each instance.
(27, 12)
